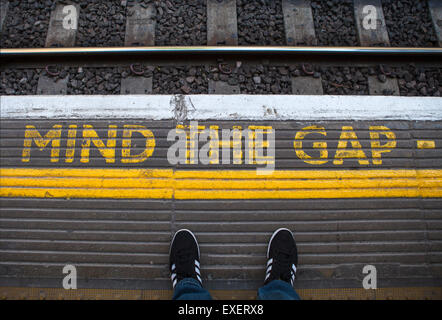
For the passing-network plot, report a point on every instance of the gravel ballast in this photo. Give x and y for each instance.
(26, 24)
(94, 80)
(101, 23)
(180, 80)
(19, 81)
(249, 78)
(265, 79)
(409, 23)
(414, 81)
(181, 22)
(344, 80)
(260, 22)
(334, 23)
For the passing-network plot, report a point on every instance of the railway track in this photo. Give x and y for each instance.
(356, 115)
(225, 23)
(403, 23)
(203, 70)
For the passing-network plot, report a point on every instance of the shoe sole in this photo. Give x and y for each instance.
(273, 235)
(185, 230)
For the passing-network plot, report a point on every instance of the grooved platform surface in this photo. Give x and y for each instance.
(354, 193)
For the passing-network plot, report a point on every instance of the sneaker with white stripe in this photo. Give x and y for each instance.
(282, 255)
(184, 256)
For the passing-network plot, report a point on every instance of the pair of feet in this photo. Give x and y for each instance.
(282, 257)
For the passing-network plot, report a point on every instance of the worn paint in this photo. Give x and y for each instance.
(194, 133)
(356, 152)
(127, 140)
(222, 184)
(376, 147)
(70, 143)
(322, 146)
(426, 144)
(32, 135)
(222, 107)
(107, 150)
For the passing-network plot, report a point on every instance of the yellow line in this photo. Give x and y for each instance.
(88, 183)
(87, 193)
(90, 173)
(302, 194)
(394, 293)
(426, 144)
(207, 184)
(278, 184)
(218, 184)
(305, 174)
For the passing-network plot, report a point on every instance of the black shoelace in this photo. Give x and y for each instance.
(282, 265)
(185, 266)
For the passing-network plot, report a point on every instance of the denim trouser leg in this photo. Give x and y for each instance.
(277, 290)
(190, 289)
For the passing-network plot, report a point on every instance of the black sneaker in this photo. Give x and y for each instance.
(282, 256)
(184, 256)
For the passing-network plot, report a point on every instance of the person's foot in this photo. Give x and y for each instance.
(184, 256)
(282, 255)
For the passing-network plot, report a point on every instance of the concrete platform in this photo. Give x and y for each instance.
(358, 185)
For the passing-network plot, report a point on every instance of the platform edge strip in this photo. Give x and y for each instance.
(233, 184)
(394, 293)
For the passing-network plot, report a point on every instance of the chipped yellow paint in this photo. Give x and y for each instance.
(107, 151)
(89, 183)
(322, 146)
(288, 184)
(218, 184)
(92, 193)
(127, 141)
(88, 173)
(205, 184)
(303, 194)
(426, 144)
(70, 144)
(342, 152)
(255, 145)
(191, 132)
(231, 140)
(309, 174)
(31, 134)
(376, 148)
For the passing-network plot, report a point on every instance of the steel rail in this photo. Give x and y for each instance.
(207, 50)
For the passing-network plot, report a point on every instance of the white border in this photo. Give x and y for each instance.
(221, 107)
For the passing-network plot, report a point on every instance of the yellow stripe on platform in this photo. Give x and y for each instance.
(395, 293)
(218, 184)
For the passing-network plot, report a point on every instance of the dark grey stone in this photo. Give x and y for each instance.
(409, 23)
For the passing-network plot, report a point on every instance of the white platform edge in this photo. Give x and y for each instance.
(221, 107)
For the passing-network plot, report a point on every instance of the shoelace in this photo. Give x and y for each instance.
(184, 267)
(281, 266)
